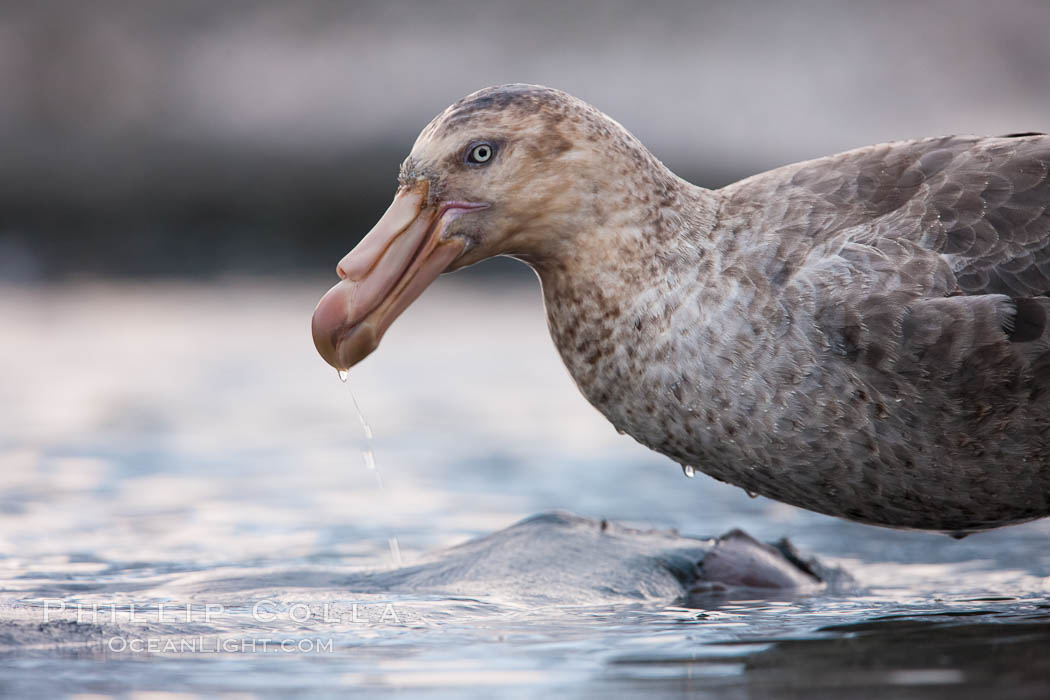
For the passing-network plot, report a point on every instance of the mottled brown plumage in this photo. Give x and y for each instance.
(864, 335)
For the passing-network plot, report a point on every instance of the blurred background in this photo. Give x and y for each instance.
(197, 138)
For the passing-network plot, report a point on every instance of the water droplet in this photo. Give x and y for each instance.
(688, 471)
(752, 494)
(343, 374)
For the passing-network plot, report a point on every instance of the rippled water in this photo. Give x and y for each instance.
(180, 470)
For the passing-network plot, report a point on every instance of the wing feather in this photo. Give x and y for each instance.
(982, 204)
(927, 261)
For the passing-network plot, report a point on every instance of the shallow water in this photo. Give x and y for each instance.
(182, 445)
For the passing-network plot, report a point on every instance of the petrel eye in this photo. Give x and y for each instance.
(480, 153)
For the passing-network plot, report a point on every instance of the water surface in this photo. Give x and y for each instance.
(179, 469)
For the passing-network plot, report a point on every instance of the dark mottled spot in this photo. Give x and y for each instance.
(782, 275)
(850, 341)
(1029, 323)
(551, 146)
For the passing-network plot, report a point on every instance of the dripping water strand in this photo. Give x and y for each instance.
(368, 455)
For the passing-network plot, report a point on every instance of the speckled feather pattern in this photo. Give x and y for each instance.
(864, 335)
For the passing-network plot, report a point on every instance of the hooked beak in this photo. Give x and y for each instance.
(402, 254)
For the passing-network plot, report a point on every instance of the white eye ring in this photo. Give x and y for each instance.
(482, 153)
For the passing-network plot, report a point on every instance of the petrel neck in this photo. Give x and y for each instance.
(630, 235)
(613, 286)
